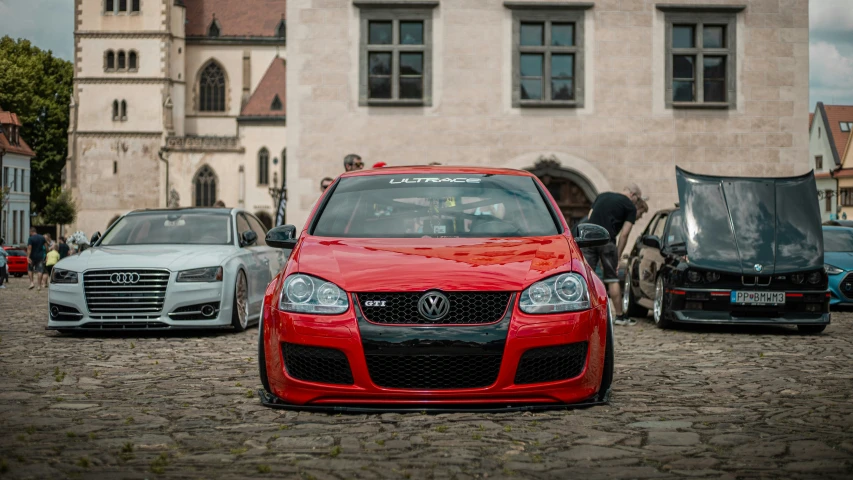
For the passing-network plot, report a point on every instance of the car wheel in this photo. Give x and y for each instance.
(811, 329)
(607, 375)
(240, 305)
(660, 311)
(262, 358)
(629, 303)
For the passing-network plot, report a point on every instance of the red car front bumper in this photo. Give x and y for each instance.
(352, 335)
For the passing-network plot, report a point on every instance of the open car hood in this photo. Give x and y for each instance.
(751, 226)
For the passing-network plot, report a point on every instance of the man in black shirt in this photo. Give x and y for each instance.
(63, 248)
(617, 213)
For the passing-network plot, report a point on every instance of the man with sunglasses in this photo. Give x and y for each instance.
(325, 183)
(353, 162)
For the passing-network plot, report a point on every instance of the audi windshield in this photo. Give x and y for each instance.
(170, 228)
(448, 205)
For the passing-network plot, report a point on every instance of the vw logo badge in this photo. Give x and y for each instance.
(124, 278)
(758, 267)
(433, 306)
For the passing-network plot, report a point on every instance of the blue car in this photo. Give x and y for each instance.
(838, 256)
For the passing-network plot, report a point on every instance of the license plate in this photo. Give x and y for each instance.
(758, 298)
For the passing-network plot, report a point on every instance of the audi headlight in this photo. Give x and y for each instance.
(307, 294)
(560, 293)
(63, 276)
(832, 269)
(207, 274)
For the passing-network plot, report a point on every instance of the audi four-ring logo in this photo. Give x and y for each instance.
(122, 278)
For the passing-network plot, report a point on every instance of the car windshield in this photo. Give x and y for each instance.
(435, 205)
(16, 253)
(170, 228)
(840, 240)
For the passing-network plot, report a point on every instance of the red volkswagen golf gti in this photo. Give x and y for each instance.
(422, 288)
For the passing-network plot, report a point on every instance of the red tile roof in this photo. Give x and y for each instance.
(9, 118)
(236, 18)
(273, 83)
(834, 115)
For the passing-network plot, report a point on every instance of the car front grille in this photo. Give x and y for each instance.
(121, 292)
(550, 364)
(466, 308)
(846, 286)
(429, 372)
(316, 364)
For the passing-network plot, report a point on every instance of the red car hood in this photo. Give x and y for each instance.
(405, 264)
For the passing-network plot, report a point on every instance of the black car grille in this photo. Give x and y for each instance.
(316, 364)
(466, 308)
(550, 364)
(124, 326)
(846, 286)
(434, 371)
(144, 296)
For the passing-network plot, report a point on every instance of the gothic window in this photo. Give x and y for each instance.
(213, 30)
(134, 6)
(115, 111)
(111, 60)
(122, 5)
(264, 167)
(132, 60)
(205, 187)
(109, 6)
(122, 64)
(281, 30)
(211, 86)
(276, 103)
(123, 110)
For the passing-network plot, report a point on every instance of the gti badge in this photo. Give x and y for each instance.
(433, 306)
(758, 267)
(375, 303)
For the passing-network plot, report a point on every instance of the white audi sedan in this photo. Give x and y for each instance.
(166, 269)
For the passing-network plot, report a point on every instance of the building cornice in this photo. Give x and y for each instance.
(394, 4)
(95, 133)
(263, 120)
(548, 5)
(191, 40)
(204, 144)
(120, 80)
(687, 8)
(145, 34)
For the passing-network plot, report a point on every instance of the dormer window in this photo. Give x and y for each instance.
(276, 104)
(213, 31)
(845, 126)
(281, 30)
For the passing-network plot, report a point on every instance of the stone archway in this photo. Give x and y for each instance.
(573, 192)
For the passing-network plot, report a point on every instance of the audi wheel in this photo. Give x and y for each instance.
(240, 305)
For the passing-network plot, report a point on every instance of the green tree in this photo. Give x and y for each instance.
(37, 86)
(60, 208)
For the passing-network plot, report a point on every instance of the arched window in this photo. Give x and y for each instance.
(211, 89)
(122, 64)
(204, 185)
(281, 30)
(213, 30)
(134, 6)
(131, 60)
(111, 60)
(115, 110)
(123, 110)
(122, 5)
(264, 167)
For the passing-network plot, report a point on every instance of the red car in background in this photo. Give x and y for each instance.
(433, 288)
(16, 261)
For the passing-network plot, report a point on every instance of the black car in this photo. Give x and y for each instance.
(746, 251)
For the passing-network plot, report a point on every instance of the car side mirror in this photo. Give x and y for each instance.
(249, 238)
(652, 241)
(282, 237)
(590, 235)
(95, 237)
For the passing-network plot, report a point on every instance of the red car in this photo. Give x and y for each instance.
(16, 261)
(432, 288)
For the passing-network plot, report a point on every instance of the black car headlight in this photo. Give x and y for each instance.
(832, 269)
(814, 278)
(798, 278)
(207, 274)
(63, 276)
(693, 276)
(307, 294)
(561, 293)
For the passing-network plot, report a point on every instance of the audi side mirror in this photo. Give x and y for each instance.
(590, 235)
(249, 238)
(95, 237)
(282, 237)
(652, 241)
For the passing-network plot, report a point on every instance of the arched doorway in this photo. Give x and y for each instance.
(572, 191)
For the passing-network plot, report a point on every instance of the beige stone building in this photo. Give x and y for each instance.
(589, 95)
(176, 102)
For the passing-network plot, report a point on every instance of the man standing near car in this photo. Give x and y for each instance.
(35, 257)
(617, 213)
(63, 248)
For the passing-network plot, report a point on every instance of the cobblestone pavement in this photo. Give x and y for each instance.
(710, 402)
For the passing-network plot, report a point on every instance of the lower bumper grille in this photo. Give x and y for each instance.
(316, 364)
(124, 326)
(434, 371)
(550, 364)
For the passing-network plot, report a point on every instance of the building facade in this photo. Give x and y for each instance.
(176, 103)
(589, 96)
(828, 142)
(15, 157)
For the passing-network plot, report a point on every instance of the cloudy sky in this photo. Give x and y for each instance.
(49, 24)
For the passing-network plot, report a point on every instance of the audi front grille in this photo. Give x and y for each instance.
(465, 308)
(125, 292)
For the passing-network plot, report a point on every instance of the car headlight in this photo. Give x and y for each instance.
(307, 294)
(560, 293)
(207, 274)
(798, 278)
(832, 269)
(814, 278)
(63, 276)
(693, 276)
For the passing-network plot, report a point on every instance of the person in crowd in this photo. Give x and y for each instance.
(617, 213)
(380, 165)
(35, 258)
(50, 260)
(353, 162)
(64, 249)
(219, 204)
(3, 270)
(48, 242)
(325, 182)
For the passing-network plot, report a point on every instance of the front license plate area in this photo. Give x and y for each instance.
(758, 298)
